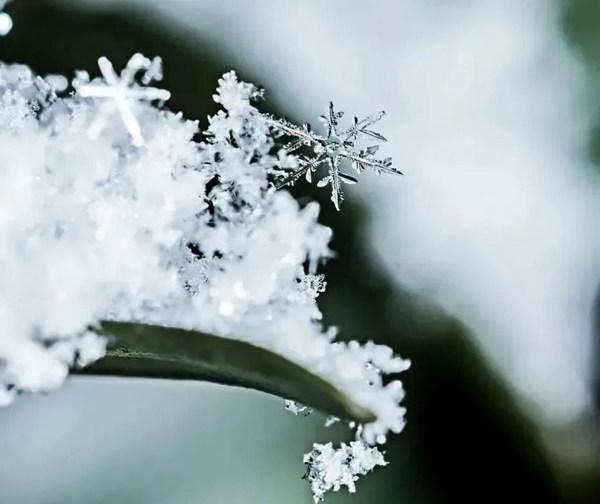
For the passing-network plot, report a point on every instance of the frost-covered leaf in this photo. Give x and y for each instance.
(161, 352)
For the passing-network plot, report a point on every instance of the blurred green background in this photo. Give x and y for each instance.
(103, 440)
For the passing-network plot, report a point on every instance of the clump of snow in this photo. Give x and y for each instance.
(329, 468)
(110, 209)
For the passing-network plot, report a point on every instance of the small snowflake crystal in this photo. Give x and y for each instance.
(121, 93)
(110, 209)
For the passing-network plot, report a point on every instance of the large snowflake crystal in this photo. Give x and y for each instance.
(333, 148)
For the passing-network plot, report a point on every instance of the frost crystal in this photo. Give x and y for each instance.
(329, 468)
(144, 223)
(331, 149)
(296, 408)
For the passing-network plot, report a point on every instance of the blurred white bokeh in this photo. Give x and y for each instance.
(495, 217)
(101, 440)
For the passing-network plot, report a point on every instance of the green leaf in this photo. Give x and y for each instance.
(162, 352)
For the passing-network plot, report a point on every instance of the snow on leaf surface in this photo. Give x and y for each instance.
(111, 210)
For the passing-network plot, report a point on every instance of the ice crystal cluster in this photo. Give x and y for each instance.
(113, 207)
(329, 468)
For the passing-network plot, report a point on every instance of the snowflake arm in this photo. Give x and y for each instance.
(360, 127)
(380, 166)
(331, 149)
(335, 180)
(303, 133)
(307, 167)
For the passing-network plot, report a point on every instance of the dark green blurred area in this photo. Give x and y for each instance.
(466, 439)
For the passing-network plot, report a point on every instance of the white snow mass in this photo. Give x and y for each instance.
(110, 209)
